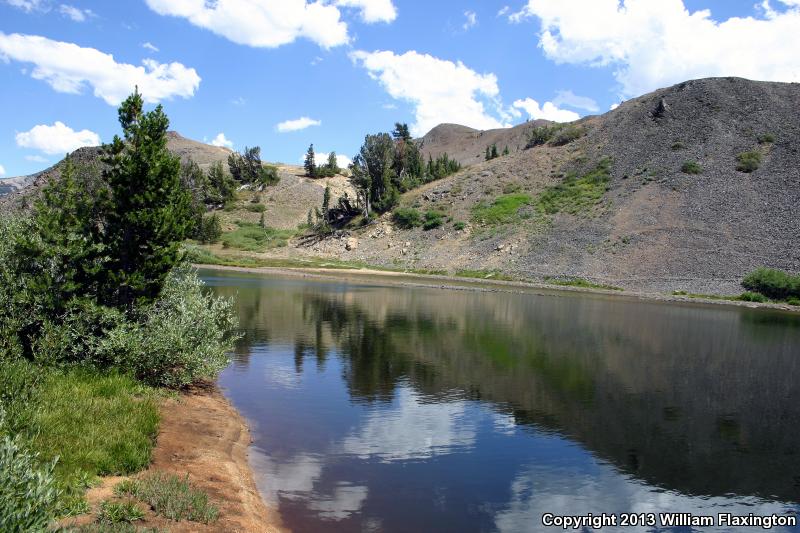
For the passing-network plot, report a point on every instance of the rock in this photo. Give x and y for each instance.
(351, 244)
(500, 247)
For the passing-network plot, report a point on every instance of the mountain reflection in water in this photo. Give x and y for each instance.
(399, 409)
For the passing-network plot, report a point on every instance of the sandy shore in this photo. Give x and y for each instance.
(202, 435)
(456, 283)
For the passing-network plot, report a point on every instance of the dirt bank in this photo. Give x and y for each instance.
(202, 435)
(456, 283)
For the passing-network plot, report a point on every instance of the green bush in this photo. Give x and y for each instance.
(184, 337)
(793, 301)
(766, 138)
(407, 217)
(28, 491)
(575, 194)
(567, 134)
(748, 161)
(433, 219)
(256, 208)
(691, 167)
(458, 226)
(677, 145)
(772, 283)
(752, 297)
(112, 512)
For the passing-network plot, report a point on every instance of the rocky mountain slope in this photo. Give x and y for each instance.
(661, 225)
(468, 146)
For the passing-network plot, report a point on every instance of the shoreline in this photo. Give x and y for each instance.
(202, 436)
(435, 281)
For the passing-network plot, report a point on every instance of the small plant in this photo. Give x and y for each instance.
(677, 145)
(433, 219)
(567, 134)
(407, 217)
(503, 210)
(793, 301)
(115, 512)
(171, 496)
(748, 161)
(691, 167)
(459, 226)
(766, 138)
(510, 188)
(256, 208)
(772, 283)
(28, 492)
(752, 297)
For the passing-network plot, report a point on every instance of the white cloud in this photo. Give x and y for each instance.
(321, 158)
(56, 139)
(472, 20)
(655, 44)
(74, 13)
(571, 99)
(239, 101)
(261, 23)
(221, 141)
(36, 158)
(150, 46)
(503, 11)
(372, 10)
(613, 107)
(68, 68)
(2, 170)
(297, 124)
(549, 111)
(441, 91)
(28, 5)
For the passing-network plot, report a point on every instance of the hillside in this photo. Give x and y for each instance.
(655, 228)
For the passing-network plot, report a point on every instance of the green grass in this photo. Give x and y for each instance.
(483, 274)
(691, 167)
(576, 195)
(433, 219)
(580, 282)
(458, 225)
(170, 496)
(744, 297)
(256, 208)
(503, 210)
(112, 512)
(748, 161)
(766, 138)
(253, 238)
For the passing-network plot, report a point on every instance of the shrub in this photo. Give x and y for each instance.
(407, 217)
(171, 497)
(576, 194)
(503, 210)
(256, 208)
(185, 335)
(752, 297)
(677, 145)
(541, 135)
(433, 219)
(748, 161)
(458, 226)
(793, 301)
(691, 167)
(766, 138)
(773, 283)
(28, 492)
(567, 134)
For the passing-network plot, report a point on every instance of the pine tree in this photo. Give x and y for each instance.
(333, 164)
(401, 132)
(505, 150)
(310, 165)
(262, 221)
(494, 152)
(148, 211)
(326, 202)
(488, 155)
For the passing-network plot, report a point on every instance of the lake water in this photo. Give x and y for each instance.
(380, 408)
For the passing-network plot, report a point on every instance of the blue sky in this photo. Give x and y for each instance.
(350, 67)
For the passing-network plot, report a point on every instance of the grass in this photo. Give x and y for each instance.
(580, 282)
(576, 195)
(433, 219)
(691, 167)
(407, 217)
(503, 210)
(458, 225)
(483, 274)
(744, 297)
(766, 138)
(170, 496)
(748, 161)
(256, 208)
(253, 238)
(112, 512)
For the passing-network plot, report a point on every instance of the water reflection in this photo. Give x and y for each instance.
(503, 406)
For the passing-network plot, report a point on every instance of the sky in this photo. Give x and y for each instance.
(281, 74)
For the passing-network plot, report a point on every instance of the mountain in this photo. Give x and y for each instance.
(674, 214)
(15, 191)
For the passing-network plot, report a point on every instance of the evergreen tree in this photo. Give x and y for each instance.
(310, 165)
(148, 212)
(333, 164)
(326, 201)
(221, 186)
(505, 150)
(494, 152)
(401, 132)
(262, 221)
(488, 155)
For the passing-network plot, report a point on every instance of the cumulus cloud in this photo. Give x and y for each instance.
(472, 20)
(74, 13)
(262, 23)
(36, 158)
(503, 11)
(221, 141)
(441, 90)
(69, 68)
(56, 139)
(655, 44)
(150, 46)
(2, 170)
(372, 10)
(341, 160)
(297, 124)
(571, 99)
(548, 111)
